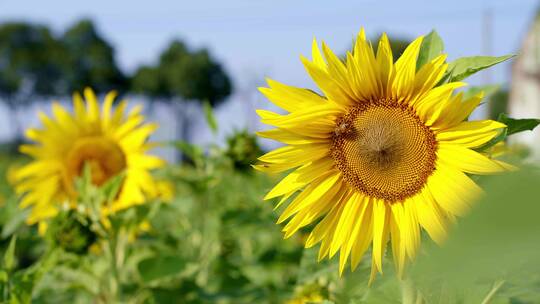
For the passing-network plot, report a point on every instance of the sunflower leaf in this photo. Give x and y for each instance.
(432, 46)
(464, 67)
(193, 152)
(518, 125)
(9, 255)
(155, 268)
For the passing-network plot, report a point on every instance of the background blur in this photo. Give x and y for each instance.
(210, 237)
(246, 40)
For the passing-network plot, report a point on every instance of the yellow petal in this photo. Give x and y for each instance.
(320, 189)
(385, 62)
(288, 137)
(92, 104)
(452, 189)
(471, 133)
(329, 86)
(300, 177)
(381, 216)
(405, 68)
(311, 212)
(467, 160)
(316, 55)
(430, 217)
(364, 236)
(291, 98)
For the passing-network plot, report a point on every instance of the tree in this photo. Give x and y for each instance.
(91, 60)
(194, 75)
(31, 63)
(146, 80)
(182, 75)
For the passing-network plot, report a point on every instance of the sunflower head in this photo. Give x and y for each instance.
(242, 149)
(106, 139)
(385, 151)
(69, 233)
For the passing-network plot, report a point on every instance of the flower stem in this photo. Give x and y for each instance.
(496, 286)
(116, 254)
(407, 292)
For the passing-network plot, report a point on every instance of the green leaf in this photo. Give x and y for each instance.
(9, 255)
(160, 267)
(112, 187)
(518, 125)
(487, 89)
(16, 219)
(194, 152)
(466, 66)
(210, 118)
(432, 46)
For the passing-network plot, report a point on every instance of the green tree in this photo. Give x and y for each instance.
(182, 75)
(147, 81)
(31, 63)
(194, 75)
(91, 60)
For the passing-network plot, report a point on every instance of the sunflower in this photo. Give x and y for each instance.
(110, 142)
(383, 154)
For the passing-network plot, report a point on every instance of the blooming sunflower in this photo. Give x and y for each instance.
(109, 141)
(385, 152)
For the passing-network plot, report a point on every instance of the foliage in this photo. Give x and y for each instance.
(34, 60)
(432, 46)
(90, 60)
(464, 67)
(30, 60)
(183, 75)
(518, 125)
(181, 72)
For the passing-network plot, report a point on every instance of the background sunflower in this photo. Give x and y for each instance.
(108, 140)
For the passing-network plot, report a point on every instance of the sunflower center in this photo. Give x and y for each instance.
(384, 150)
(104, 157)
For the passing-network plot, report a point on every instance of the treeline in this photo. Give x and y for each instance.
(35, 62)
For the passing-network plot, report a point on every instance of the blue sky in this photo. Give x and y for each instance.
(256, 38)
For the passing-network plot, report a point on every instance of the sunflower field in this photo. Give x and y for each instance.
(382, 189)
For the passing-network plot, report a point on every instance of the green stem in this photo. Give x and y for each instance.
(493, 291)
(407, 292)
(113, 242)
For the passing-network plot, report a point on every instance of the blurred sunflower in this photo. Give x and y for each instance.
(306, 299)
(385, 152)
(109, 141)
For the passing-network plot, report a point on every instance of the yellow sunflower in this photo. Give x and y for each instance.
(385, 152)
(109, 141)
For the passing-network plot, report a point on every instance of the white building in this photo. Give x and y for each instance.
(525, 86)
